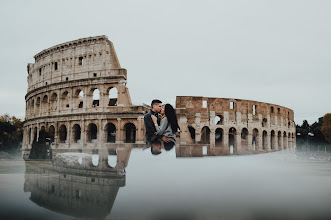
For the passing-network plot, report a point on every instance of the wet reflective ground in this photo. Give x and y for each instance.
(138, 185)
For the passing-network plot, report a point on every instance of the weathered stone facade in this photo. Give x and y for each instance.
(77, 92)
(234, 125)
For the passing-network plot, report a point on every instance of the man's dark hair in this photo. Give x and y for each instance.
(155, 101)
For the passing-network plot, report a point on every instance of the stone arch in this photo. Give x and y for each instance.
(35, 134)
(32, 106)
(44, 104)
(244, 138)
(38, 105)
(113, 96)
(192, 133)
(232, 140)
(76, 133)
(279, 139)
(130, 133)
(53, 102)
(92, 133)
(219, 119)
(219, 137)
(65, 99)
(205, 135)
(264, 140)
(95, 97)
(273, 140)
(264, 122)
(110, 129)
(78, 98)
(63, 134)
(51, 133)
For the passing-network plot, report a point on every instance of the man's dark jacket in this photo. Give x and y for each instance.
(149, 125)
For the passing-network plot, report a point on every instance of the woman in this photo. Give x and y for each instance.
(169, 125)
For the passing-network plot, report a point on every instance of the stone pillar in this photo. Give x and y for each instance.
(140, 134)
(259, 142)
(69, 134)
(249, 142)
(281, 142)
(83, 132)
(275, 142)
(226, 141)
(237, 144)
(119, 131)
(268, 147)
(212, 137)
(85, 99)
(198, 130)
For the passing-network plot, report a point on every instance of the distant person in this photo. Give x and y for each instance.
(168, 126)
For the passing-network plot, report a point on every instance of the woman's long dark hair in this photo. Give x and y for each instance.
(172, 117)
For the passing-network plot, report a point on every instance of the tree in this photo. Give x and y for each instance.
(326, 127)
(11, 132)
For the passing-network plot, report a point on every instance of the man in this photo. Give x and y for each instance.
(149, 124)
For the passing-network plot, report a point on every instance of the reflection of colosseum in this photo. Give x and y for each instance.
(77, 92)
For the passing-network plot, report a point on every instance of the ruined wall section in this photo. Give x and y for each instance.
(244, 124)
(74, 60)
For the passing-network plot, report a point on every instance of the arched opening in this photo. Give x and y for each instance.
(273, 140)
(284, 140)
(65, 99)
(255, 139)
(96, 98)
(192, 133)
(232, 140)
(63, 134)
(44, 105)
(51, 133)
(111, 133)
(38, 105)
(29, 138)
(35, 133)
(79, 98)
(92, 133)
(219, 120)
(264, 122)
(130, 133)
(289, 140)
(264, 140)
(76, 133)
(244, 138)
(279, 139)
(113, 96)
(53, 102)
(205, 135)
(219, 137)
(32, 107)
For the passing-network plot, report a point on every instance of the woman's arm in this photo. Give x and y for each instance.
(163, 126)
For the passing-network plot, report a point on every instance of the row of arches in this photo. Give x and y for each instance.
(277, 139)
(91, 135)
(67, 100)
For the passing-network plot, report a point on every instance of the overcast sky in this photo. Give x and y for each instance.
(269, 51)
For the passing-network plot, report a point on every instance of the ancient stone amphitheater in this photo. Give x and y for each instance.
(77, 92)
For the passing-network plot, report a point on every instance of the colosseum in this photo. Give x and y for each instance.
(77, 92)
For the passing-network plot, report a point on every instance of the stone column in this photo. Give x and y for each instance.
(226, 141)
(275, 143)
(268, 147)
(140, 134)
(212, 137)
(237, 144)
(119, 131)
(281, 142)
(249, 142)
(259, 142)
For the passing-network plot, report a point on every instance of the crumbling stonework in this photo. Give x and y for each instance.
(234, 125)
(77, 92)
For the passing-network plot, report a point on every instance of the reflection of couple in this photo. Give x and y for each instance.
(161, 124)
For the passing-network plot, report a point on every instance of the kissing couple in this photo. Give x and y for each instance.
(161, 126)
